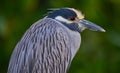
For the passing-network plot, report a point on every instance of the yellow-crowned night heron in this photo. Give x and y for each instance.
(50, 44)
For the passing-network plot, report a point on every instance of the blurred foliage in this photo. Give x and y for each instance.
(99, 52)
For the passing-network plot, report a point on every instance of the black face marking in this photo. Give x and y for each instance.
(67, 14)
(64, 12)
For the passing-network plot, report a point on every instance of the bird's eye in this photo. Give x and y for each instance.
(71, 18)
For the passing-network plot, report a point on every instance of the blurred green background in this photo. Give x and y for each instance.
(99, 52)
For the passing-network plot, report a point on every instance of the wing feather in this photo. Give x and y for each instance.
(44, 48)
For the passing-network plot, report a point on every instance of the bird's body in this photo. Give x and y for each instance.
(53, 52)
(48, 46)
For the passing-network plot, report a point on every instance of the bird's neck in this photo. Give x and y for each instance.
(75, 40)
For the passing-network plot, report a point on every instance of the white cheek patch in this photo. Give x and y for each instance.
(60, 18)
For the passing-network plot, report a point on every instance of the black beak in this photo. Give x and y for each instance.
(84, 24)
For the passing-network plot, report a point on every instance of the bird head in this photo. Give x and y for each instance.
(73, 19)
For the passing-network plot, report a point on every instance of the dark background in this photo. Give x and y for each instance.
(99, 52)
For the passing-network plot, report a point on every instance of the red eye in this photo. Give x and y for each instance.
(71, 18)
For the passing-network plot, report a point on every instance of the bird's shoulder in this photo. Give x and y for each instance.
(50, 23)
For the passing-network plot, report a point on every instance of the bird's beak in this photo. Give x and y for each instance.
(84, 24)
